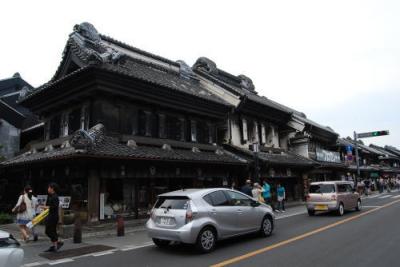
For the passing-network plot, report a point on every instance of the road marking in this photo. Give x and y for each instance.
(61, 261)
(32, 264)
(371, 206)
(290, 215)
(102, 253)
(148, 244)
(373, 196)
(385, 196)
(296, 238)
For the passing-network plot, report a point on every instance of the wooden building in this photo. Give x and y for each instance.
(122, 125)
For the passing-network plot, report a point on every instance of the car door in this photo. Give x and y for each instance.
(353, 196)
(342, 195)
(247, 217)
(222, 213)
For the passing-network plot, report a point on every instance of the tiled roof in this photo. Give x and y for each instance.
(283, 158)
(95, 143)
(99, 51)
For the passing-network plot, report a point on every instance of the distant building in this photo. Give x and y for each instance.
(14, 118)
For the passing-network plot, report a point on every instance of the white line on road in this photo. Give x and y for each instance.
(290, 215)
(374, 196)
(385, 196)
(371, 206)
(103, 253)
(396, 196)
(61, 261)
(136, 247)
(32, 264)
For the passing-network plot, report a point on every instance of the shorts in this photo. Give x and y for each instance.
(22, 221)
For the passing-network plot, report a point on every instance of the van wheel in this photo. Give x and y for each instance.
(161, 243)
(266, 227)
(311, 212)
(358, 207)
(206, 240)
(340, 210)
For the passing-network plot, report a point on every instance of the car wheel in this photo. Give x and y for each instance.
(311, 212)
(161, 243)
(340, 210)
(266, 227)
(206, 240)
(358, 207)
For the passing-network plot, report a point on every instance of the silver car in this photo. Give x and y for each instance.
(11, 255)
(203, 216)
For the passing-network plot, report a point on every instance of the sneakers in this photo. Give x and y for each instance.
(59, 244)
(35, 238)
(51, 249)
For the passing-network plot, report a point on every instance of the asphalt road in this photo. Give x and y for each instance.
(367, 238)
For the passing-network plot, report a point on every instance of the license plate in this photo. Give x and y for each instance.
(166, 221)
(321, 207)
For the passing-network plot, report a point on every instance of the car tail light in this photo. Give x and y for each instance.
(189, 214)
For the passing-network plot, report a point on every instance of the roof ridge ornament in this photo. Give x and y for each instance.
(89, 41)
(246, 83)
(167, 147)
(24, 92)
(185, 71)
(206, 64)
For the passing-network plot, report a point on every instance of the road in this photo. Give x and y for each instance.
(367, 238)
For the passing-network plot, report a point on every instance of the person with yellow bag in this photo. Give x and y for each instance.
(257, 192)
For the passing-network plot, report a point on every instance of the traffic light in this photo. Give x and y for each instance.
(379, 133)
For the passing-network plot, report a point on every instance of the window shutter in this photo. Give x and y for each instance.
(193, 131)
(161, 131)
(263, 134)
(244, 130)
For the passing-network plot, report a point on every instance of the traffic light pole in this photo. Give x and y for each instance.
(357, 161)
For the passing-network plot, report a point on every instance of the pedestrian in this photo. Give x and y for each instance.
(246, 189)
(398, 183)
(380, 185)
(25, 212)
(267, 194)
(367, 184)
(281, 196)
(51, 222)
(257, 192)
(36, 211)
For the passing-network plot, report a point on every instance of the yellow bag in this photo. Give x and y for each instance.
(38, 218)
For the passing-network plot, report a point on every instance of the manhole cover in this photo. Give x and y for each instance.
(68, 253)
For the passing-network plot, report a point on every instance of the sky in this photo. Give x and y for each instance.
(336, 61)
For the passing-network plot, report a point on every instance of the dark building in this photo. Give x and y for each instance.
(17, 123)
(122, 125)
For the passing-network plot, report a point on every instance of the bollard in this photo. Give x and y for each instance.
(120, 226)
(77, 228)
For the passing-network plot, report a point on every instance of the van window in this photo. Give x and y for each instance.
(342, 188)
(173, 203)
(322, 188)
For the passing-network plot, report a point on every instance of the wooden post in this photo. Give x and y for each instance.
(93, 196)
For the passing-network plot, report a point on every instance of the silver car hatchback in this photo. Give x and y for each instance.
(203, 216)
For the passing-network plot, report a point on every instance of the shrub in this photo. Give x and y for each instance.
(6, 218)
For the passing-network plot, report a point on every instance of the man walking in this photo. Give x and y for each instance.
(246, 189)
(281, 195)
(52, 204)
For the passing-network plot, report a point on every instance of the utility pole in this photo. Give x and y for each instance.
(365, 135)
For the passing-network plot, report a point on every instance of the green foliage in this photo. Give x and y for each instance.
(6, 218)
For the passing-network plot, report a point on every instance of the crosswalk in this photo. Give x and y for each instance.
(383, 196)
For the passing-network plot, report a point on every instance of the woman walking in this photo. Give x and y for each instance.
(257, 192)
(25, 212)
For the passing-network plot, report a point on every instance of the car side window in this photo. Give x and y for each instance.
(237, 199)
(217, 198)
(342, 188)
(349, 188)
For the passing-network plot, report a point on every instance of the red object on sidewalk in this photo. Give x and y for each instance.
(120, 226)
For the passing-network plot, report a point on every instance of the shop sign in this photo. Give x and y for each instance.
(64, 201)
(328, 156)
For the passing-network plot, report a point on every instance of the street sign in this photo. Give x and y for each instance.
(372, 134)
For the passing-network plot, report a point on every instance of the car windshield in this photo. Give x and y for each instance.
(175, 203)
(322, 188)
